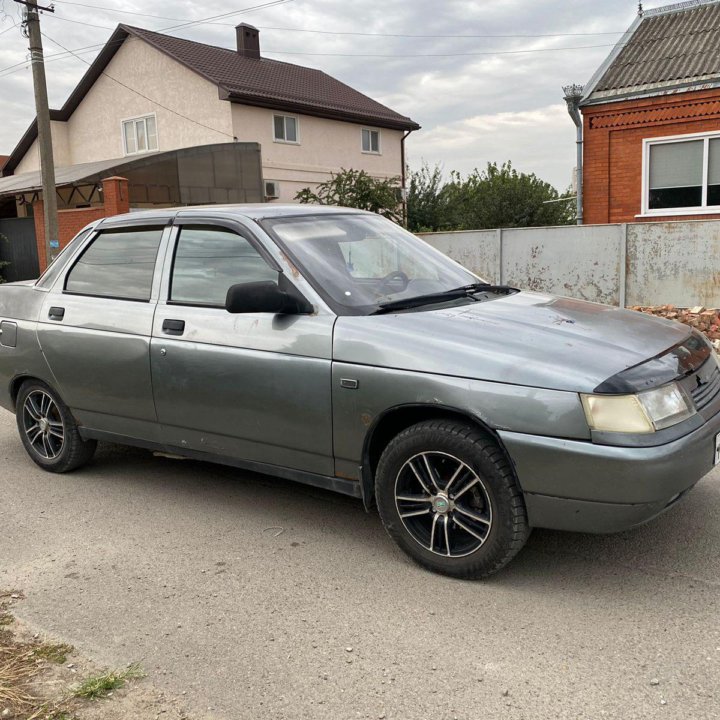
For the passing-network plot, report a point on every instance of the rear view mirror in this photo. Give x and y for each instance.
(265, 297)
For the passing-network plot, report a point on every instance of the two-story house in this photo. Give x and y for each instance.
(150, 93)
(651, 120)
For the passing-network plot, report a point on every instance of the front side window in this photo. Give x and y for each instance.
(356, 261)
(370, 141)
(209, 261)
(285, 128)
(118, 264)
(140, 135)
(683, 174)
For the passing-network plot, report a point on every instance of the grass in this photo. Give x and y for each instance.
(53, 653)
(17, 670)
(101, 685)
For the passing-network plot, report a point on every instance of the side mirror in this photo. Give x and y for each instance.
(264, 297)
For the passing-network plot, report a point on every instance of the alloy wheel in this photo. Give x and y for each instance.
(443, 504)
(43, 425)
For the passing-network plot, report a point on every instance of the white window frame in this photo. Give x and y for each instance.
(379, 137)
(134, 120)
(704, 209)
(297, 128)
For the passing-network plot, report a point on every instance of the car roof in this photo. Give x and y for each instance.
(258, 211)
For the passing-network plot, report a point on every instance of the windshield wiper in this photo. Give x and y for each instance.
(445, 296)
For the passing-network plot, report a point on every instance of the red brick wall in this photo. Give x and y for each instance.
(613, 135)
(71, 222)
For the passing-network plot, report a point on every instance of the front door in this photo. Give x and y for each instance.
(95, 327)
(253, 387)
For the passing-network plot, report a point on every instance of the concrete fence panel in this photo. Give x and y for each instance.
(477, 250)
(581, 262)
(674, 262)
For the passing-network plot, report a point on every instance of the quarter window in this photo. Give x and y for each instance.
(683, 174)
(370, 141)
(209, 261)
(140, 135)
(285, 128)
(118, 264)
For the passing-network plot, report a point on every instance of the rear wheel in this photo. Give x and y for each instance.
(448, 497)
(48, 430)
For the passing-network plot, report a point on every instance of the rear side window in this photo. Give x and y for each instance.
(118, 264)
(209, 261)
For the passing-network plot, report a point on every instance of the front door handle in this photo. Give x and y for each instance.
(173, 327)
(56, 313)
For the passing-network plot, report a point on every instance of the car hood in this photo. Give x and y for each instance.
(524, 339)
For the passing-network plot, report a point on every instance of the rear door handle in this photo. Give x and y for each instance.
(56, 313)
(173, 327)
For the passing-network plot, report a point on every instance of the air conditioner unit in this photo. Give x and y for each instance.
(272, 190)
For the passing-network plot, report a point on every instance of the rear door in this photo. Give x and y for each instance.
(95, 327)
(253, 387)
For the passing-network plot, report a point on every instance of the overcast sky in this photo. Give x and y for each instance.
(478, 99)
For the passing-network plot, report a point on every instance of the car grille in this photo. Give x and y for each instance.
(704, 394)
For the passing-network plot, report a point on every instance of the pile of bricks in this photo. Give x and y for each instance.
(706, 321)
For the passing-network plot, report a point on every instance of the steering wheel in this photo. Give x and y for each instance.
(397, 276)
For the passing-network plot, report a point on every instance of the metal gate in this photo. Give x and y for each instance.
(19, 248)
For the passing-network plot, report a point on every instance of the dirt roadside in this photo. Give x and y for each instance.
(42, 678)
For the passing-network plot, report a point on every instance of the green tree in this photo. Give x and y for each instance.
(426, 205)
(357, 189)
(498, 196)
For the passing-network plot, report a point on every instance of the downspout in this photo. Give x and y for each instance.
(573, 95)
(403, 179)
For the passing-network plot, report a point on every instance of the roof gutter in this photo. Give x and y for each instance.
(573, 95)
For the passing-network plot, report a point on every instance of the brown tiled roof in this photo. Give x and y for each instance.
(668, 48)
(3, 160)
(270, 82)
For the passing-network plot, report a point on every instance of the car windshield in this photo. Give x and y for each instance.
(359, 262)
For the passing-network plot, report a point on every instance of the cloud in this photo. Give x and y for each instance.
(473, 107)
(539, 141)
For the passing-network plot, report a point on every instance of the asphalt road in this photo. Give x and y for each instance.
(245, 592)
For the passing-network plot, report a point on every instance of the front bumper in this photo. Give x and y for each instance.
(583, 487)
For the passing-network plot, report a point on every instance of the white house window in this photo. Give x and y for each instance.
(140, 135)
(682, 174)
(370, 141)
(285, 128)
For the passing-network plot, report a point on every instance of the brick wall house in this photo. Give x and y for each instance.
(651, 120)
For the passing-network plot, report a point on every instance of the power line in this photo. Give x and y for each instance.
(117, 11)
(420, 55)
(357, 33)
(12, 27)
(9, 70)
(72, 53)
(454, 36)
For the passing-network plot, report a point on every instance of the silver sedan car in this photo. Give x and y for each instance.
(331, 347)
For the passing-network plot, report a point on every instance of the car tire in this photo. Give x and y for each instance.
(49, 431)
(448, 497)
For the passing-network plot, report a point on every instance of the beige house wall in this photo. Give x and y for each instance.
(324, 146)
(94, 130)
(61, 150)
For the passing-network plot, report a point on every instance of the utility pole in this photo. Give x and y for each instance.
(42, 111)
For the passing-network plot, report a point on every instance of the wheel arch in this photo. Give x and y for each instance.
(394, 420)
(17, 382)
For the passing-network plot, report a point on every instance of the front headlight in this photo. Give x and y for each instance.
(645, 412)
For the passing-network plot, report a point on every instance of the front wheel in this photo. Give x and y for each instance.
(48, 430)
(448, 497)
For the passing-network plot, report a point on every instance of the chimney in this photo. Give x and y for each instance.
(248, 41)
